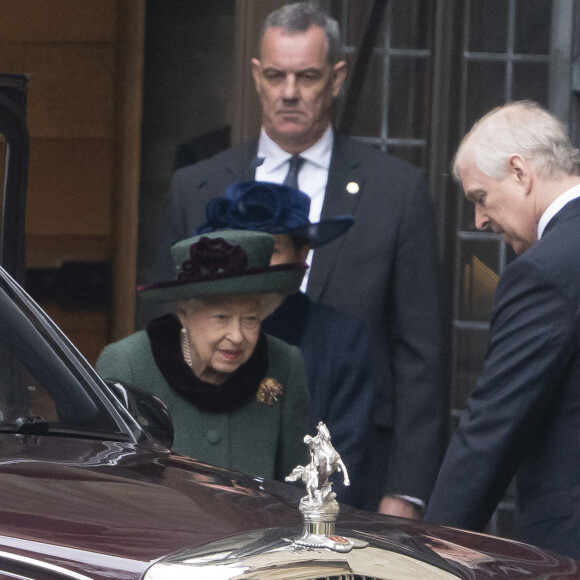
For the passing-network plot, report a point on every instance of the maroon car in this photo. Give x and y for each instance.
(86, 491)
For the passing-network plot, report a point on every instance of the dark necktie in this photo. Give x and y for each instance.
(292, 176)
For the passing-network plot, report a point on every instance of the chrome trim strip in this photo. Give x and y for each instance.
(44, 565)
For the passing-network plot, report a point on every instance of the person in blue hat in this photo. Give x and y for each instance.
(334, 344)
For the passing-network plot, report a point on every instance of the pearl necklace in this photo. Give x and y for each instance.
(186, 348)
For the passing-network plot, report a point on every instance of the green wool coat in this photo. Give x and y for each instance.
(260, 439)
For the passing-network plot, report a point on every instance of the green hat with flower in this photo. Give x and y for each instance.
(226, 262)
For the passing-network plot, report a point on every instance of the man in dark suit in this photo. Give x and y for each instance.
(520, 170)
(384, 270)
(335, 345)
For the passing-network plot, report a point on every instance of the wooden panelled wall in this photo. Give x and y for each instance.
(85, 59)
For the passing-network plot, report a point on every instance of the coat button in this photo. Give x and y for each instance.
(213, 436)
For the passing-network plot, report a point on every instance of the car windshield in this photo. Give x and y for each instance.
(42, 389)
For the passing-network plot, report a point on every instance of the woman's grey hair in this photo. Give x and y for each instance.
(188, 307)
(299, 17)
(524, 128)
(268, 303)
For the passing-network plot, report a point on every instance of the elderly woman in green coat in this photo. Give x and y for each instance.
(238, 397)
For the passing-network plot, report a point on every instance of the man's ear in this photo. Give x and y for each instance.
(339, 75)
(520, 170)
(256, 73)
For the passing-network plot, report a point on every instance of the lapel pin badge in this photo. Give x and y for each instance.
(352, 187)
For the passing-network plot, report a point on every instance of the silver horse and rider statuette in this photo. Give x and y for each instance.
(319, 507)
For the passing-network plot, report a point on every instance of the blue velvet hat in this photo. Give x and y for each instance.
(272, 208)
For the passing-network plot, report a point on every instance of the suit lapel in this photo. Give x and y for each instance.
(240, 166)
(344, 188)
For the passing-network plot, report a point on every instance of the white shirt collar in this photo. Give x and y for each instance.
(274, 156)
(556, 206)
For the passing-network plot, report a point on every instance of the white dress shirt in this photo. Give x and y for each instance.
(312, 176)
(556, 206)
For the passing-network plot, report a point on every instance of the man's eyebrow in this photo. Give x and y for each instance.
(473, 194)
(273, 68)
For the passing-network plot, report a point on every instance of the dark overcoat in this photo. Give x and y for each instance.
(336, 350)
(524, 415)
(264, 440)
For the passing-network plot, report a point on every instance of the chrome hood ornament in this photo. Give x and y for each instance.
(319, 507)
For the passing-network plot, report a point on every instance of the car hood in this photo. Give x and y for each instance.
(105, 495)
(103, 506)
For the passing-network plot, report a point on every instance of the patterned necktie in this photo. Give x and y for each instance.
(292, 176)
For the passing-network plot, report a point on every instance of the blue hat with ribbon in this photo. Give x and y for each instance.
(273, 208)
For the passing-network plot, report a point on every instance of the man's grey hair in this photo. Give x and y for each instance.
(524, 128)
(299, 17)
